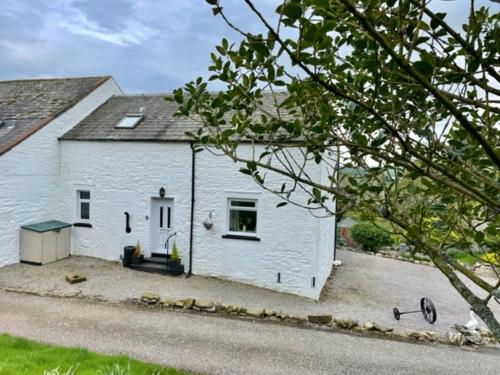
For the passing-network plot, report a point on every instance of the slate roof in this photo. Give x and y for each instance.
(158, 123)
(26, 106)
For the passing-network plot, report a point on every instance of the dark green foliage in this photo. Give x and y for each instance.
(400, 92)
(370, 237)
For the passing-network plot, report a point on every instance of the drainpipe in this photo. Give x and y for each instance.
(193, 159)
(337, 173)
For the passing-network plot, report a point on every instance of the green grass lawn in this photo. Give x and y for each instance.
(20, 356)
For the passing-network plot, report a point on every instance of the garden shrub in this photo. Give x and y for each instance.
(370, 237)
(491, 258)
(175, 252)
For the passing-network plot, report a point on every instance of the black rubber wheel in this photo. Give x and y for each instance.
(396, 313)
(428, 310)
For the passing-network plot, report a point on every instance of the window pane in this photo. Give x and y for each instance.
(84, 194)
(85, 210)
(130, 121)
(242, 221)
(161, 217)
(243, 203)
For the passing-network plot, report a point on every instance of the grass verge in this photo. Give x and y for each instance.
(20, 356)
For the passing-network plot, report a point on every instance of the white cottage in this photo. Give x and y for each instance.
(121, 169)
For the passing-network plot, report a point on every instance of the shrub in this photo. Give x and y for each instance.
(175, 252)
(491, 258)
(370, 237)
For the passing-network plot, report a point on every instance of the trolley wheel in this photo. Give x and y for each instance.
(396, 313)
(428, 310)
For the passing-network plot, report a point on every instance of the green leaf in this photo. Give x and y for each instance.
(473, 65)
(316, 193)
(260, 48)
(423, 67)
(390, 3)
(281, 204)
(220, 50)
(434, 22)
(291, 10)
(379, 141)
(246, 171)
(178, 96)
(227, 133)
(216, 10)
(479, 237)
(375, 189)
(212, 2)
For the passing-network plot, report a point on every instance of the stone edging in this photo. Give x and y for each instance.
(321, 322)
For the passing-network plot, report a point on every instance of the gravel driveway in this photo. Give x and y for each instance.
(212, 345)
(365, 288)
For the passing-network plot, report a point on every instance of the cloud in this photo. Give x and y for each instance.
(147, 45)
(134, 33)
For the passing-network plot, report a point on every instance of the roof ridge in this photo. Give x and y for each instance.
(55, 79)
(145, 94)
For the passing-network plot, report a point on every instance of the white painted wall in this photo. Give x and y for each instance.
(291, 239)
(124, 176)
(326, 227)
(29, 174)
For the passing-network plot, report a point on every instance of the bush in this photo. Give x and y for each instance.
(175, 252)
(491, 258)
(370, 237)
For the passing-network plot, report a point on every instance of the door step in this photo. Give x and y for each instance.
(155, 259)
(162, 269)
(158, 264)
(160, 255)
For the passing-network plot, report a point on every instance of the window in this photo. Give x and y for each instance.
(83, 197)
(130, 121)
(242, 216)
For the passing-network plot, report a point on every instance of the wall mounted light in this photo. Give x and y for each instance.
(162, 192)
(208, 223)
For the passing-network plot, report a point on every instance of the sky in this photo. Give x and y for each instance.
(146, 45)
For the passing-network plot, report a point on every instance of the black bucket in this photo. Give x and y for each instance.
(127, 255)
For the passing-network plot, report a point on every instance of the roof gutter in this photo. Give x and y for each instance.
(191, 226)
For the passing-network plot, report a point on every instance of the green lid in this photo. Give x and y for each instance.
(46, 226)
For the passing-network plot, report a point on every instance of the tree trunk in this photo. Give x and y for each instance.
(479, 306)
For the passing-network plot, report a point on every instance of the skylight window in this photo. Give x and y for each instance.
(130, 121)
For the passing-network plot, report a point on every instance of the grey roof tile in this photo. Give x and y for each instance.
(158, 123)
(28, 105)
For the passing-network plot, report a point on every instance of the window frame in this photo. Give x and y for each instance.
(242, 208)
(79, 201)
(135, 117)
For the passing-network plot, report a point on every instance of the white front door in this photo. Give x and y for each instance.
(162, 223)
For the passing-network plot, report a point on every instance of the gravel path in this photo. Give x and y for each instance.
(215, 345)
(365, 288)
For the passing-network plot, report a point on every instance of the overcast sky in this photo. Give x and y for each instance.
(146, 45)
